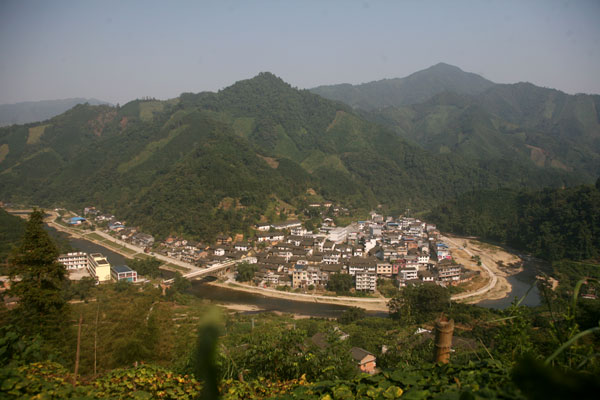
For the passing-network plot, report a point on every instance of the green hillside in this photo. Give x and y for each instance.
(168, 166)
(11, 231)
(551, 224)
(413, 89)
(521, 124)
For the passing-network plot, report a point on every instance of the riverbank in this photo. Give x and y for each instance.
(368, 304)
(496, 265)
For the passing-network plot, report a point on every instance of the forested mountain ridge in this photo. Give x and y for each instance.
(522, 123)
(415, 88)
(206, 163)
(33, 111)
(552, 224)
(447, 110)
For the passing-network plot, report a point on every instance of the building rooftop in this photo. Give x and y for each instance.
(121, 269)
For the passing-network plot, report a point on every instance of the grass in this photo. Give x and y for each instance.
(35, 133)
(150, 149)
(148, 108)
(177, 267)
(142, 256)
(3, 152)
(95, 236)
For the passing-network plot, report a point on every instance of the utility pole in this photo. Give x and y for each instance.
(77, 352)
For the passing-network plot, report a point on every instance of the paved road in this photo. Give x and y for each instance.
(492, 282)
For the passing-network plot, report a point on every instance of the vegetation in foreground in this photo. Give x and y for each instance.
(136, 343)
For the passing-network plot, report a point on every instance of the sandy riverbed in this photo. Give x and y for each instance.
(501, 262)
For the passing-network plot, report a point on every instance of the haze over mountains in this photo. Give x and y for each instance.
(413, 89)
(206, 163)
(33, 111)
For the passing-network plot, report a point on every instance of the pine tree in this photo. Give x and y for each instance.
(37, 280)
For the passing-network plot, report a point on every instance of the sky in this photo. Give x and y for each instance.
(118, 51)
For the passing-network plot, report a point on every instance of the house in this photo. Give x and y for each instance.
(270, 237)
(449, 272)
(123, 273)
(143, 239)
(99, 267)
(77, 221)
(365, 360)
(366, 281)
(384, 268)
(264, 227)
(77, 260)
(241, 246)
(287, 225)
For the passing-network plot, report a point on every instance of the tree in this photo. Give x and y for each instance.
(421, 302)
(37, 279)
(340, 283)
(245, 272)
(148, 267)
(352, 314)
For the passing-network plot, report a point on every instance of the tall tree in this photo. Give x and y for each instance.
(37, 280)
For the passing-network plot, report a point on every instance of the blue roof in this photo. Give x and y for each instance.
(75, 219)
(121, 269)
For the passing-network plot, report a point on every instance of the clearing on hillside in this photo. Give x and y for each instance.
(35, 133)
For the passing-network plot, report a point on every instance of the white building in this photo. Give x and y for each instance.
(99, 267)
(72, 261)
(366, 281)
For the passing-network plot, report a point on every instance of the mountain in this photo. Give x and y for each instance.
(33, 111)
(206, 163)
(521, 123)
(415, 88)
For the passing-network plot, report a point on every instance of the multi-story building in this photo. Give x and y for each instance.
(449, 272)
(99, 267)
(366, 281)
(73, 261)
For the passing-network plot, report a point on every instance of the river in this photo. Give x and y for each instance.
(521, 283)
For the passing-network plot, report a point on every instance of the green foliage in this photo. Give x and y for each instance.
(351, 315)
(340, 283)
(146, 266)
(419, 303)
(51, 381)
(245, 272)
(484, 379)
(146, 382)
(37, 280)
(551, 224)
(11, 231)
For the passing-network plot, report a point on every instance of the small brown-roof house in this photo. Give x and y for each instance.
(366, 361)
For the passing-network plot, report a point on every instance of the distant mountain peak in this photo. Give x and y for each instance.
(415, 88)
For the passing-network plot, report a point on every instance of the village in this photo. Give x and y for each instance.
(286, 256)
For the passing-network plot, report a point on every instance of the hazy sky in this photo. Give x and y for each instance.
(120, 50)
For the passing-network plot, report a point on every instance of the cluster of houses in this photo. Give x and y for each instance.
(404, 250)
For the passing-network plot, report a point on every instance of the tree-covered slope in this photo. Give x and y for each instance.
(11, 231)
(551, 224)
(524, 124)
(206, 163)
(413, 89)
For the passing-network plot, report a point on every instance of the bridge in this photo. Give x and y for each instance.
(210, 270)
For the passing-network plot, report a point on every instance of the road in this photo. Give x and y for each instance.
(85, 235)
(489, 286)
